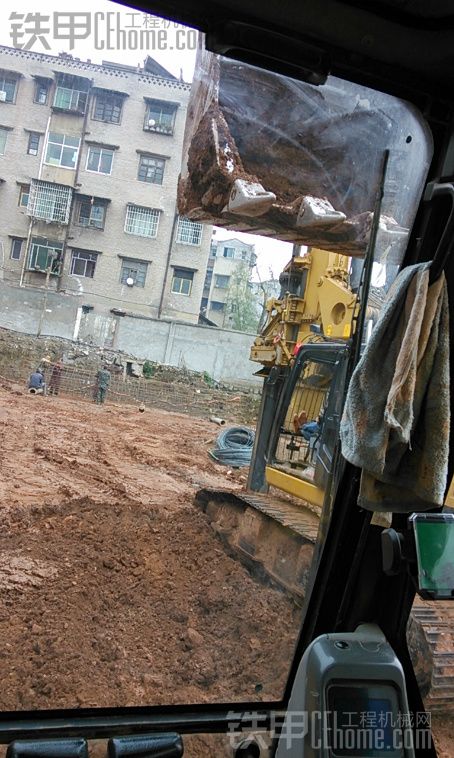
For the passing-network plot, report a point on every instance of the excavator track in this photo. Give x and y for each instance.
(433, 625)
(274, 538)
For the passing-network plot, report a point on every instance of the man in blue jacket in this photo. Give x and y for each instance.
(36, 383)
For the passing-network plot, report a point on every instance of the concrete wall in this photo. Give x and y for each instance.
(223, 354)
(20, 309)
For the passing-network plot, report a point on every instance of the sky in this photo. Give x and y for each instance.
(116, 33)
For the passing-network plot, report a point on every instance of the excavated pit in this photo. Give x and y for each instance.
(115, 587)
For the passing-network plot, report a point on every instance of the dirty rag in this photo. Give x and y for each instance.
(395, 424)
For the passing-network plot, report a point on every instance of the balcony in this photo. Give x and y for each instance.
(49, 202)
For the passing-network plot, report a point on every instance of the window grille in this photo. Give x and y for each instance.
(49, 202)
(189, 232)
(141, 221)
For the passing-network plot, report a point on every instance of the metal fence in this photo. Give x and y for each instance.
(188, 396)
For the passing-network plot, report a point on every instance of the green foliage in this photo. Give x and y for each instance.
(241, 305)
(148, 369)
(208, 379)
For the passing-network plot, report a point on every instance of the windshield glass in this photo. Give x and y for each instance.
(146, 220)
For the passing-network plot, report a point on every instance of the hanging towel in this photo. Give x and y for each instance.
(395, 424)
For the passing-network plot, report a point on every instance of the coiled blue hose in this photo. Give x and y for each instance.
(234, 446)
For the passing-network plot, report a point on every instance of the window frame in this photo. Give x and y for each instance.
(24, 189)
(189, 277)
(4, 77)
(126, 271)
(73, 91)
(63, 147)
(38, 86)
(31, 136)
(167, 131)
(80, 202)
(230, 249)
(157, 170)
(14, 240)
(130, 217)
(89, 257)
(223, 277)
(217, 302)
(180, 232)
(101, 150)
(106, 96)
(54, 245)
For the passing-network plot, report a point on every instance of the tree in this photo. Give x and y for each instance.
(241, 304)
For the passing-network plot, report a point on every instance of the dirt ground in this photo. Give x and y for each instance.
(114, 589)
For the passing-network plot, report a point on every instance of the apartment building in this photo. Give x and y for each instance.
(89, 163)
(226, 256)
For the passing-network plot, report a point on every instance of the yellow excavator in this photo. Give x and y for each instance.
(315, 291)
(317, 304)
(304, 348)
(335, 180)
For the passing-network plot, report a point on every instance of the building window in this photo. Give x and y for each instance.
(33, 143)
(108, 107)
(221, 281)
(45, 253)
(41, 92)
(91, 212)
(189, 232)
(217, 306)
(69, 99)
(3, 136)
(62, 150)
(83, 263)
(151, 169)
(49, 202)
(141, 221)
(16, 248)
(24, 194)
(8, 86)
(229, 252)
(133, 270)
(182, 281)
(100, 160)
(160, 116)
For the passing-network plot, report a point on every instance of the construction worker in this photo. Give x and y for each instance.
(102, 384)
(36, 383)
